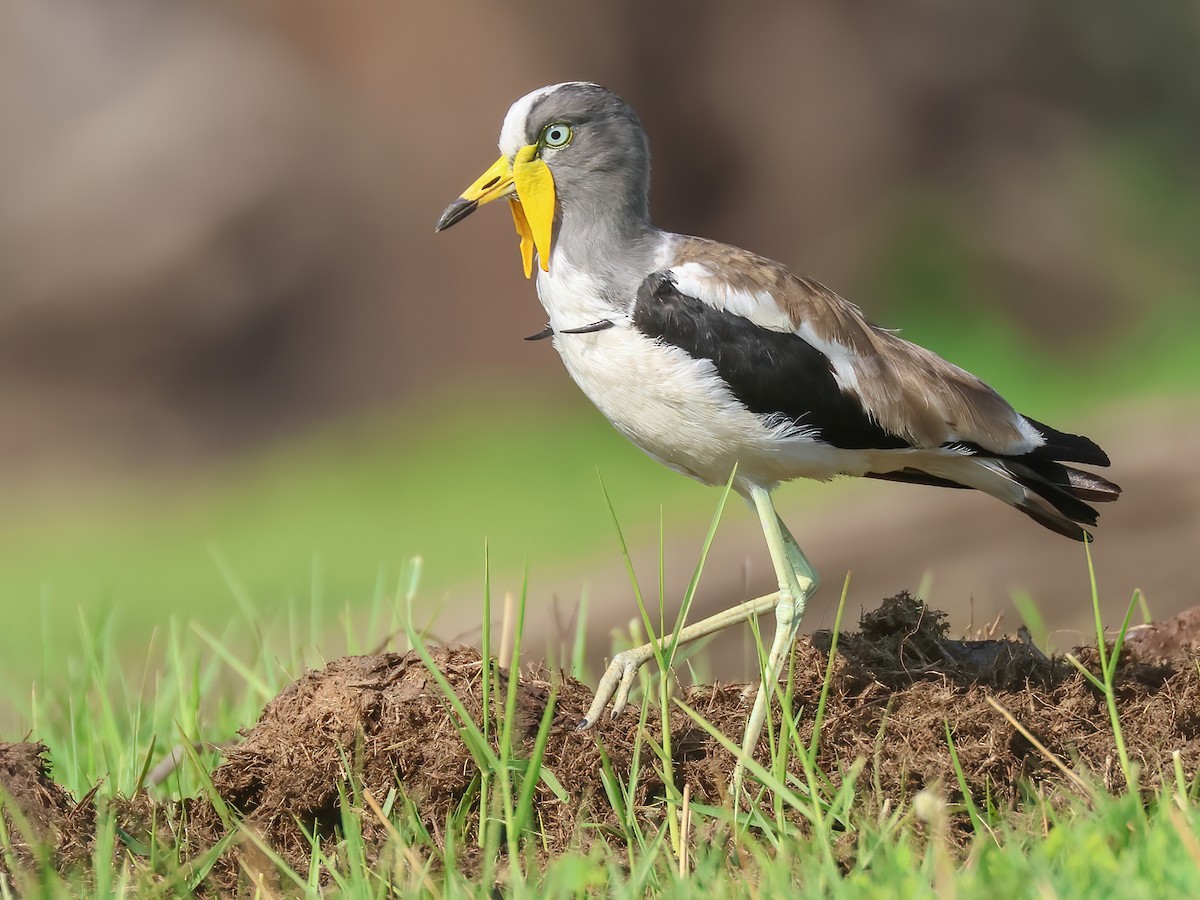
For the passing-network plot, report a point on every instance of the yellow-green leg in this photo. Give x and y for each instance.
(797, 582)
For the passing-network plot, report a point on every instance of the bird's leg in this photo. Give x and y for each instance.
(797, 582)
(618, 678)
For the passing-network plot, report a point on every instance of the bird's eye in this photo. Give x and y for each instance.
(556, 136)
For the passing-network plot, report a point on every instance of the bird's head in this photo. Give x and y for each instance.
(574, 148)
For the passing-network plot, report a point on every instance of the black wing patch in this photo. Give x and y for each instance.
(771, 372)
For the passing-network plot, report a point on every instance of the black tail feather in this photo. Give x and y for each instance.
(916, 476)
(1063, 526)
(1056, 496)
(1061, 494)
(1063, 447)
(1076, 482)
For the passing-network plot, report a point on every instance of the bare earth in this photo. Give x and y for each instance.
(897, 683)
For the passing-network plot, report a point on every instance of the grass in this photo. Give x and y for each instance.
(103, 725)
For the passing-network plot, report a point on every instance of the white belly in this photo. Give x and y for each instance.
(667, 403)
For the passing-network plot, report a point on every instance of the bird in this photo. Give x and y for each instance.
(730, 368)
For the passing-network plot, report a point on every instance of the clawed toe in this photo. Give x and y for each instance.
(614, 686)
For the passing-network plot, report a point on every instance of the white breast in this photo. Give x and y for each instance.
(671, 405)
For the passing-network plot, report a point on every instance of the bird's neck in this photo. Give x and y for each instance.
(614, 243)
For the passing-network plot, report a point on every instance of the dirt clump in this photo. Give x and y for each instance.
(378, 723)
(363, 722)
(897, 686)
(1172, 640)
(903, 642)
(39, 816)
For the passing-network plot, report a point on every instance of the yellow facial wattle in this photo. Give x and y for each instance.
(535, 192)
(526, 233)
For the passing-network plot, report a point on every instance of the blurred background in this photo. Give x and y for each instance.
(238, 370)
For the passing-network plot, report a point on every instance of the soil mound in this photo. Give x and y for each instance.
(40, 818)
(904, 641)
(1171, 641)
(374, 722)
(382, 724)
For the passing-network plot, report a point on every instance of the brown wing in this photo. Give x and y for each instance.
(910, 391)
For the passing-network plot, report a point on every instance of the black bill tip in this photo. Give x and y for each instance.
(456, 211)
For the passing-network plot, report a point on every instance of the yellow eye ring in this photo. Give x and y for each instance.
(557, 135)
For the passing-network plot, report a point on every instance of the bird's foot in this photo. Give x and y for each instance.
(616, 684)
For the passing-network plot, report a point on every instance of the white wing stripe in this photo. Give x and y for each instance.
(843, 360)
(697, 280)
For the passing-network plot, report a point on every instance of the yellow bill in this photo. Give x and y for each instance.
(529, 187)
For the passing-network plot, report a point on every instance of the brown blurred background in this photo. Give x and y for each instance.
(216, 222)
